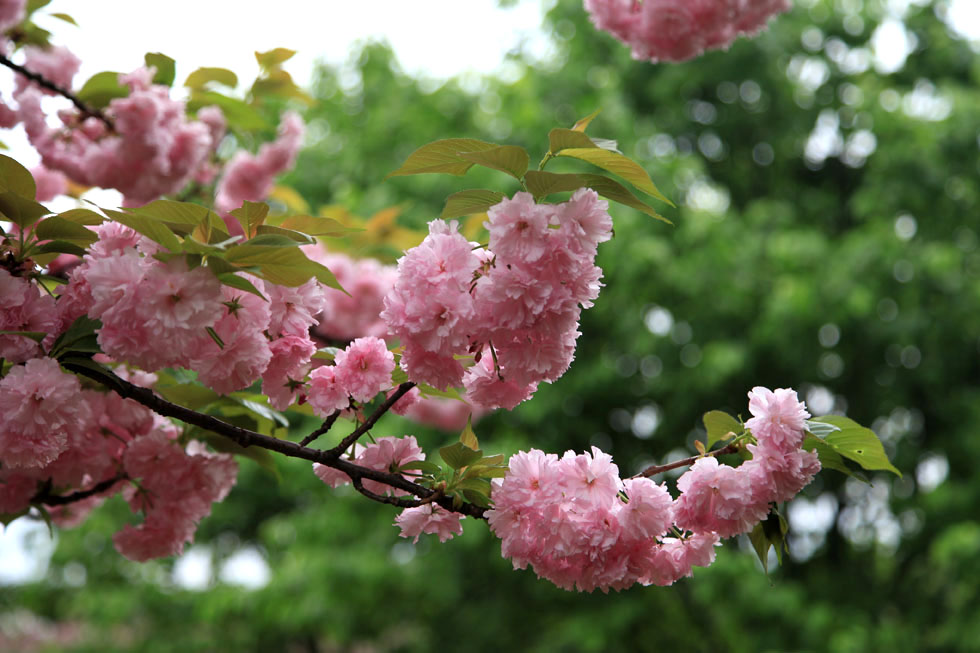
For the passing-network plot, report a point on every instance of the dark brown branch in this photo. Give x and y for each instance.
(402, 390)
(45, 497)
(653, 470)
(248, 438)
(381, 498)
(54, 88)
(327, 423)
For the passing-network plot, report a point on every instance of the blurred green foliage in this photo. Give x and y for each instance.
(826, 240)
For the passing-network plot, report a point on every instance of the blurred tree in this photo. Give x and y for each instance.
(825, 240)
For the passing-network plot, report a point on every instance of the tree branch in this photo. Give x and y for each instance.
(249, 438)
(402, 390)
(327, 423)
(653, 470)
(44, 494)
(51, 86)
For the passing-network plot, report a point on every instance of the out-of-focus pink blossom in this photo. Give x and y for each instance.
(676, 30)
(250, 177)
(24, 309)
(11, 13)
(429, 519)
(55, 64)
(50, 183)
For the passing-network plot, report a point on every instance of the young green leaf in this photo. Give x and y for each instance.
(458, 455)
(442, 156)
(720, 426)
(506, 158)
(239, 114)
(287, 266)
(275, 57)
(101, 88)
(541, 184)
(82, 216)
(468, 436)
(150, 227)
(857, 443)
(16, 178)
(57, 228)
(166, 68)
(618, 165)
(560, 139)
(581, 124)
(829, 459)
(250, 215)
(204, 76)
(468, 202)
(21, 211)
(301, 238)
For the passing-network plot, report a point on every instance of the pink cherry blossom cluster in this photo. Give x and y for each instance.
(385, 454)
(580, 525)
(357, 312)
(249, 176)
(359, 372)
(676, 30)
(55, 434)
(152, 151)
(514, 306)
(142, 302)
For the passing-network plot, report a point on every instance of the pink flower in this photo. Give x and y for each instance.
(648, 513)
(587, 217)
(485, 389)
(533, 479)
(386, 455)
(365, 368)
(11, 13)
(294, 310)
(717, 498)
(24, 309)
(429, 519)
(433, 369)
(50, 183)
(589, 479)
(283, 378)
(250, 177)
(676, 30)
(519, 228)
(779, 476)
(54, 63)
(40, 405)
(326, 393)
(778, 418)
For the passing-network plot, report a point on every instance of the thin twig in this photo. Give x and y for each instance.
(248, 438)
(653, 470)
(327, 423)
(44, 495)
(51, 86)
(402, 390)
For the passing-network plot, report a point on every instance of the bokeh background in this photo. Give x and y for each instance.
(826, 238)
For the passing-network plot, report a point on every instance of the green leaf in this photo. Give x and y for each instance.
(152, 228)
(424, 466)
(57, 228)
(481, 485)
(316, 226)
(442, 156)
(770, 532)
(542, 184)
(182, 213)
(296, 236)
(468, 202)
(21, 211)
(256, 405)
(204, 76)
(58, 247)
(274, 57)
(720, 426)
(618, 165)
(101, 88)
(82, 216)
(36, 336)
(34, 5)
(458, 455)
(80, 332)
(287, 266)
(829, 459)
(16, 178)
(250, 215)
(857, 443)
(477, 498)
(66, 18)
(191, 395)
(506, 158)
(468, 436)
(241, 283)
(166, 67)
(429, 391)
(239, 114)
(564, 139)
(581, 124)
(7, 518)
(820, 429)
